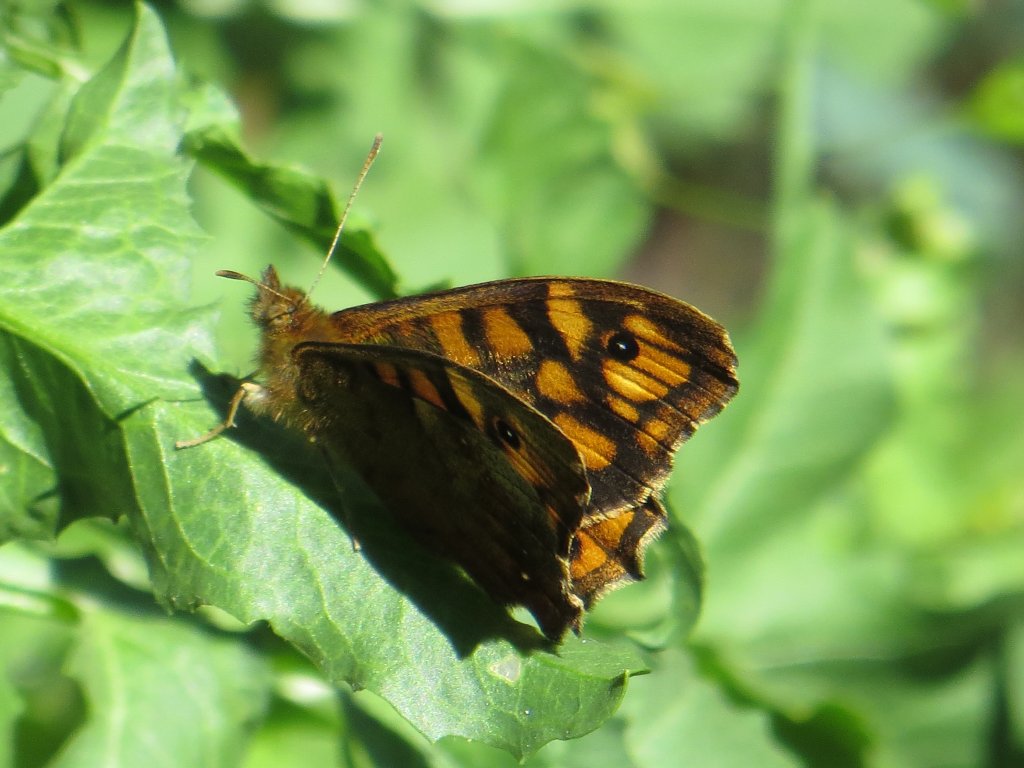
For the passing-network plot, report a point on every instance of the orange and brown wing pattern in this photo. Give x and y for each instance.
(626, 373)
(607, 551)
(472, 471)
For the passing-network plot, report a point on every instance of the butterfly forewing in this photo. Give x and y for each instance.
(626, 373)
(472, 471)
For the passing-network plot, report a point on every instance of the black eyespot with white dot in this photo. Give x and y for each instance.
(504, 433)
(623, 346)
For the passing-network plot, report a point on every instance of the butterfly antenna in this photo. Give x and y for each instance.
(232, 275)
(348, 205)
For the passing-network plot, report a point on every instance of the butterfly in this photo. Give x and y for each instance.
(522, 428)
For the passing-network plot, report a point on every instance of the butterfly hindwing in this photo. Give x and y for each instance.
(607, 551)
(472, 471)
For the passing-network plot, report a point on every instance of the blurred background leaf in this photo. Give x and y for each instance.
(839, 184)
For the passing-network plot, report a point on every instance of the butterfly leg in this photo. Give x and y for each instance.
(229, 421)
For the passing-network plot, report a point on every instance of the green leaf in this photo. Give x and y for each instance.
(703, 62)
(203, 691)
(815, 396)
(302, 202)
(85, 278)
(819, 341)
(92, 286)
(11, 707)
(998, 102)
(682, 719)
(783, 443)
(1014, 684)
(606, 746)
(81, 444)
(561, 206)
(94, 679)
(919, 711)
(291, 731)
(501, 145)
(427, 641)
(40, 706)
(25, 468)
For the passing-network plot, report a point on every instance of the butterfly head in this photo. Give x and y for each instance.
(276, 309)
(285, 317)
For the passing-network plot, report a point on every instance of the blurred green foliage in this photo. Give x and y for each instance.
(839, 184)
